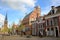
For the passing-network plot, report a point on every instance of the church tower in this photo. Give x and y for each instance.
(5, 26)
(38, 11)
(5, 22)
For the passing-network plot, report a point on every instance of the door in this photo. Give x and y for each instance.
(56, 32)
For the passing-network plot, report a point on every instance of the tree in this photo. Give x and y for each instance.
(5, 29)
(21, 27)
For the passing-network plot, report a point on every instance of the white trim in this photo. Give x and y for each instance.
(46, 22)
(51, 16)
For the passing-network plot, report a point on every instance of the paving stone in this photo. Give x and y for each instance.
(17, 37)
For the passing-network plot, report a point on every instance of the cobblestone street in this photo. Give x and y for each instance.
(15, 37)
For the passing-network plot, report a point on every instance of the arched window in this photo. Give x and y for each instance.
(48, 29)
(52, 29)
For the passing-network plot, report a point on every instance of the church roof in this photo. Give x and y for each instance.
(27, 15)
(31, 12)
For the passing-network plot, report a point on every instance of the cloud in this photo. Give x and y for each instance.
(20, 4)
(47, 8)
(55, 2)
(2, 17)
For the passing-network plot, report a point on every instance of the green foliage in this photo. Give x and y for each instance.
(5, 30)
(10, 30)
(21, 27)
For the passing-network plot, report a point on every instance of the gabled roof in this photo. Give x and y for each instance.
(58, 10)
(36, 7)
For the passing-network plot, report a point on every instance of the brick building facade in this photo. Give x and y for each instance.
(52, 22)
(31, 17)
(48, 25)
(38, 26)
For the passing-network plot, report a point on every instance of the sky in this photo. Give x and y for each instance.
(17, 9)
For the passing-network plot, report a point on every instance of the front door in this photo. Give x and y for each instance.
(56, 32)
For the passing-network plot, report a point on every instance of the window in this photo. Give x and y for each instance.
(48, 29)
(52, 29)
(55, 21)
(56, 28)
(32, 19)
(53, 11)
(51, 22)
(41, 26)
(47, 22)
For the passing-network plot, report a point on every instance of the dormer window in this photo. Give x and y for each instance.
(53, 11)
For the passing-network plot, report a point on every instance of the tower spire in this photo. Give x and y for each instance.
(6, 17)
(5, 27)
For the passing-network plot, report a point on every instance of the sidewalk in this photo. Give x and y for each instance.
(19, 37)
